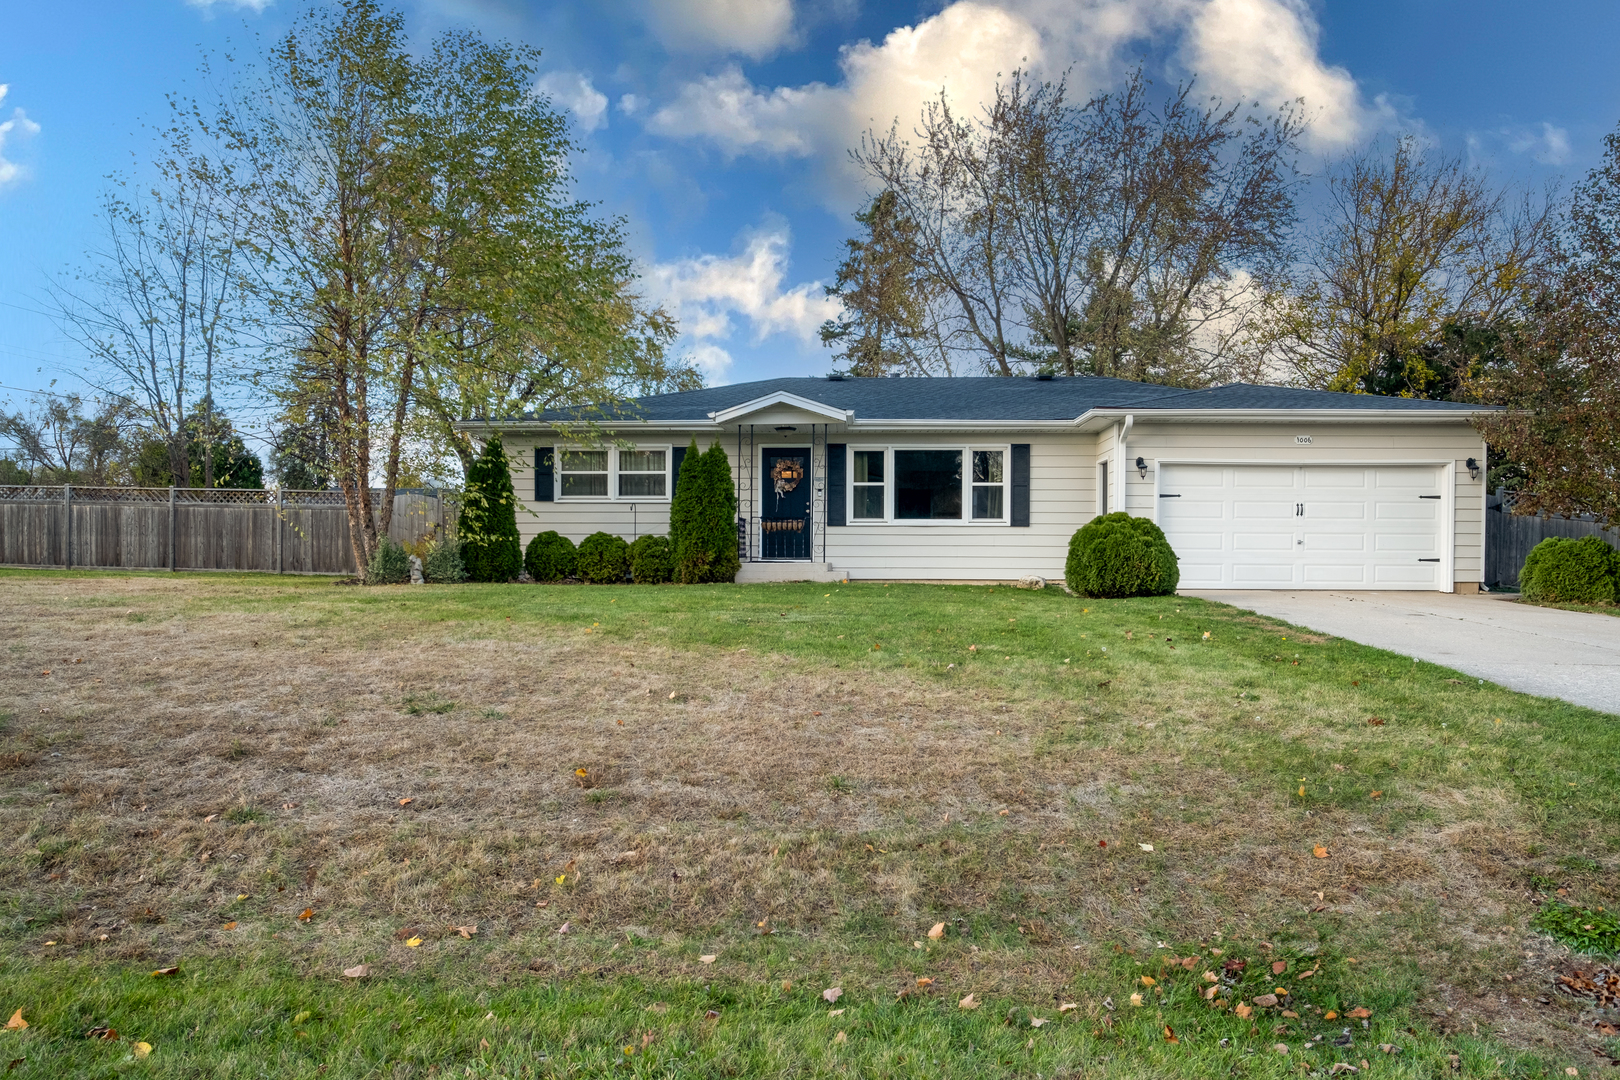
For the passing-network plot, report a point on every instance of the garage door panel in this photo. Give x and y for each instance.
(1241, 526)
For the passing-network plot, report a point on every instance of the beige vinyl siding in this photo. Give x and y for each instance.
(1331, 444)
(577, 520)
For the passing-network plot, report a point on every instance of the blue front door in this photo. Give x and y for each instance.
(784, 524)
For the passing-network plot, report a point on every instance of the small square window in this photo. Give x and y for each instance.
(584, 473)
(641, 474)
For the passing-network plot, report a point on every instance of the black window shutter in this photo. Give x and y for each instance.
(543, 468)
(1020, 485)
(675, 456)
(837, 466)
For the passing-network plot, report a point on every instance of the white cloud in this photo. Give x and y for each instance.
(1547, 144)
(19, 127)
(717, 296)
(753, 28)
(209, 5)
(1241, 50)
(713, 361)
(574, 92)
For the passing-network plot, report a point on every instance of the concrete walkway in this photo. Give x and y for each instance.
(1572, 655)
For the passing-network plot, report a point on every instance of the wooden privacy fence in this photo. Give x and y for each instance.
(1509, 537)
(281, 532)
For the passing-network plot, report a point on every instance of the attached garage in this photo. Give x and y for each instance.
(1342, 526)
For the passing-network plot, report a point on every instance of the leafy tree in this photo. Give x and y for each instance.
(487, 527)
(13, 472)
(225, 456)
(703, 518)
(883, 326)
(60, 442)
(1412, 270)
(1103, 237)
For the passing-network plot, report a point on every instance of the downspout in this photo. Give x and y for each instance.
(1121, 458)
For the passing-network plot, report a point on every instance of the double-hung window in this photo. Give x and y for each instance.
(989, 485)
(584, 473)
(642, 474)
(869, 502)
(613, 473)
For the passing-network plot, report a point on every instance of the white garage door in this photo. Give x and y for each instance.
(1309, 527)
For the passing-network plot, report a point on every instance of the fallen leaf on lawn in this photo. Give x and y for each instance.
(466, 931)
(1341, 1067)
(359, 971)
(969, 1002)
(647, 1039)
(1145, 847)
(406, 802)
(1359, 1013)
(1037, 1021)
(925, 983)
(711, 1015)
(1281, 1048)
(1136, 1000)
(229, 926)
(840, 1037)
(1148, 980)
(1307, 974)
(1291, 1014)
(1376, 795)
(16, 1023)
(1209, 995)
(141, 1049)
(211, 817)
(241, 896)
(413, 943)
(165, 972)
(1243, 1011)
(1389, 1048)
(565, 927)
(1210, 976)
(626, 856)
(1279, 967)
(542, 903)
(787, 985)
(1319, 851)
(106, 1034)
(1068, 1005)
(1170, 1034)
(938, 931)
(561, 878)
(832, 993)
(1330, 1015)
(835, 1012)
(1265, 1001)
(306, 915)
(672, 695)
(709, 959)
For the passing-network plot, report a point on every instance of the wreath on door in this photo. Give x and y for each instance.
(786, 474)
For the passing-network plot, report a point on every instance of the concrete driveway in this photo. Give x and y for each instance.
(1571, 655)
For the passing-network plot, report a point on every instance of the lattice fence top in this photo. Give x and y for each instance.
(186, 496)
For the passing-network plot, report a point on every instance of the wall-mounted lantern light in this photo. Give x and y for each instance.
(1473, 469)
(1141, 467)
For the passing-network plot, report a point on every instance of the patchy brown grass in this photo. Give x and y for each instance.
(167, 766)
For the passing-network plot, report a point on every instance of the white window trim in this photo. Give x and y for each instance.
(890, 481)
(613, 475)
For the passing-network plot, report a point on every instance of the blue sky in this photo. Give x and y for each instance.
(718, 128)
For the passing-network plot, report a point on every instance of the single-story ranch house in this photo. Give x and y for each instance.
(973, 479)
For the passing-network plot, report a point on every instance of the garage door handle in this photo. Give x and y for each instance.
(1428, 496)
(1169, 496)
(1428, 560)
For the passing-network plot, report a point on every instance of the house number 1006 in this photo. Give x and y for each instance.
(1303, 440)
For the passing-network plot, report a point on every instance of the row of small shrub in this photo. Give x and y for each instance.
(601, 559)
(1563, 571)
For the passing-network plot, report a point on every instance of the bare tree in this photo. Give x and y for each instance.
(1408, 243)
(159, 307)
(1108, 238)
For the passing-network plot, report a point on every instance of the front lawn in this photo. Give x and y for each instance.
(640, 830)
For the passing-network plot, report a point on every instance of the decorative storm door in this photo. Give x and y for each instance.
(784, 520)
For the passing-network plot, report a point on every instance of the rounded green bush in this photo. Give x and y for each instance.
(604, 559)
(651, 562)
(390, 565)
(1562, 571)
(1118, 555)
(551, 556)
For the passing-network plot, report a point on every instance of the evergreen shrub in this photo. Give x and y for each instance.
(650, 562)
(703, 518)
(490, 548)
(390, 565)
(1563, 571)
(442, 564)
(604, 559)
(551, 556)
(1118, 555)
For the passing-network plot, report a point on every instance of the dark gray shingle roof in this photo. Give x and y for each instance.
(991, 398)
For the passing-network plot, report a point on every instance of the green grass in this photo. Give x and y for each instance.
(1258, 719)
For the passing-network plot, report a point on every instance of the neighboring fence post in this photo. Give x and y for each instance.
(173, 524)
(67, 526)
(281, 564)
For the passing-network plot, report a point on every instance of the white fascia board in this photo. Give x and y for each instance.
(1096, 419)
(567, 427)
(781, 397)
